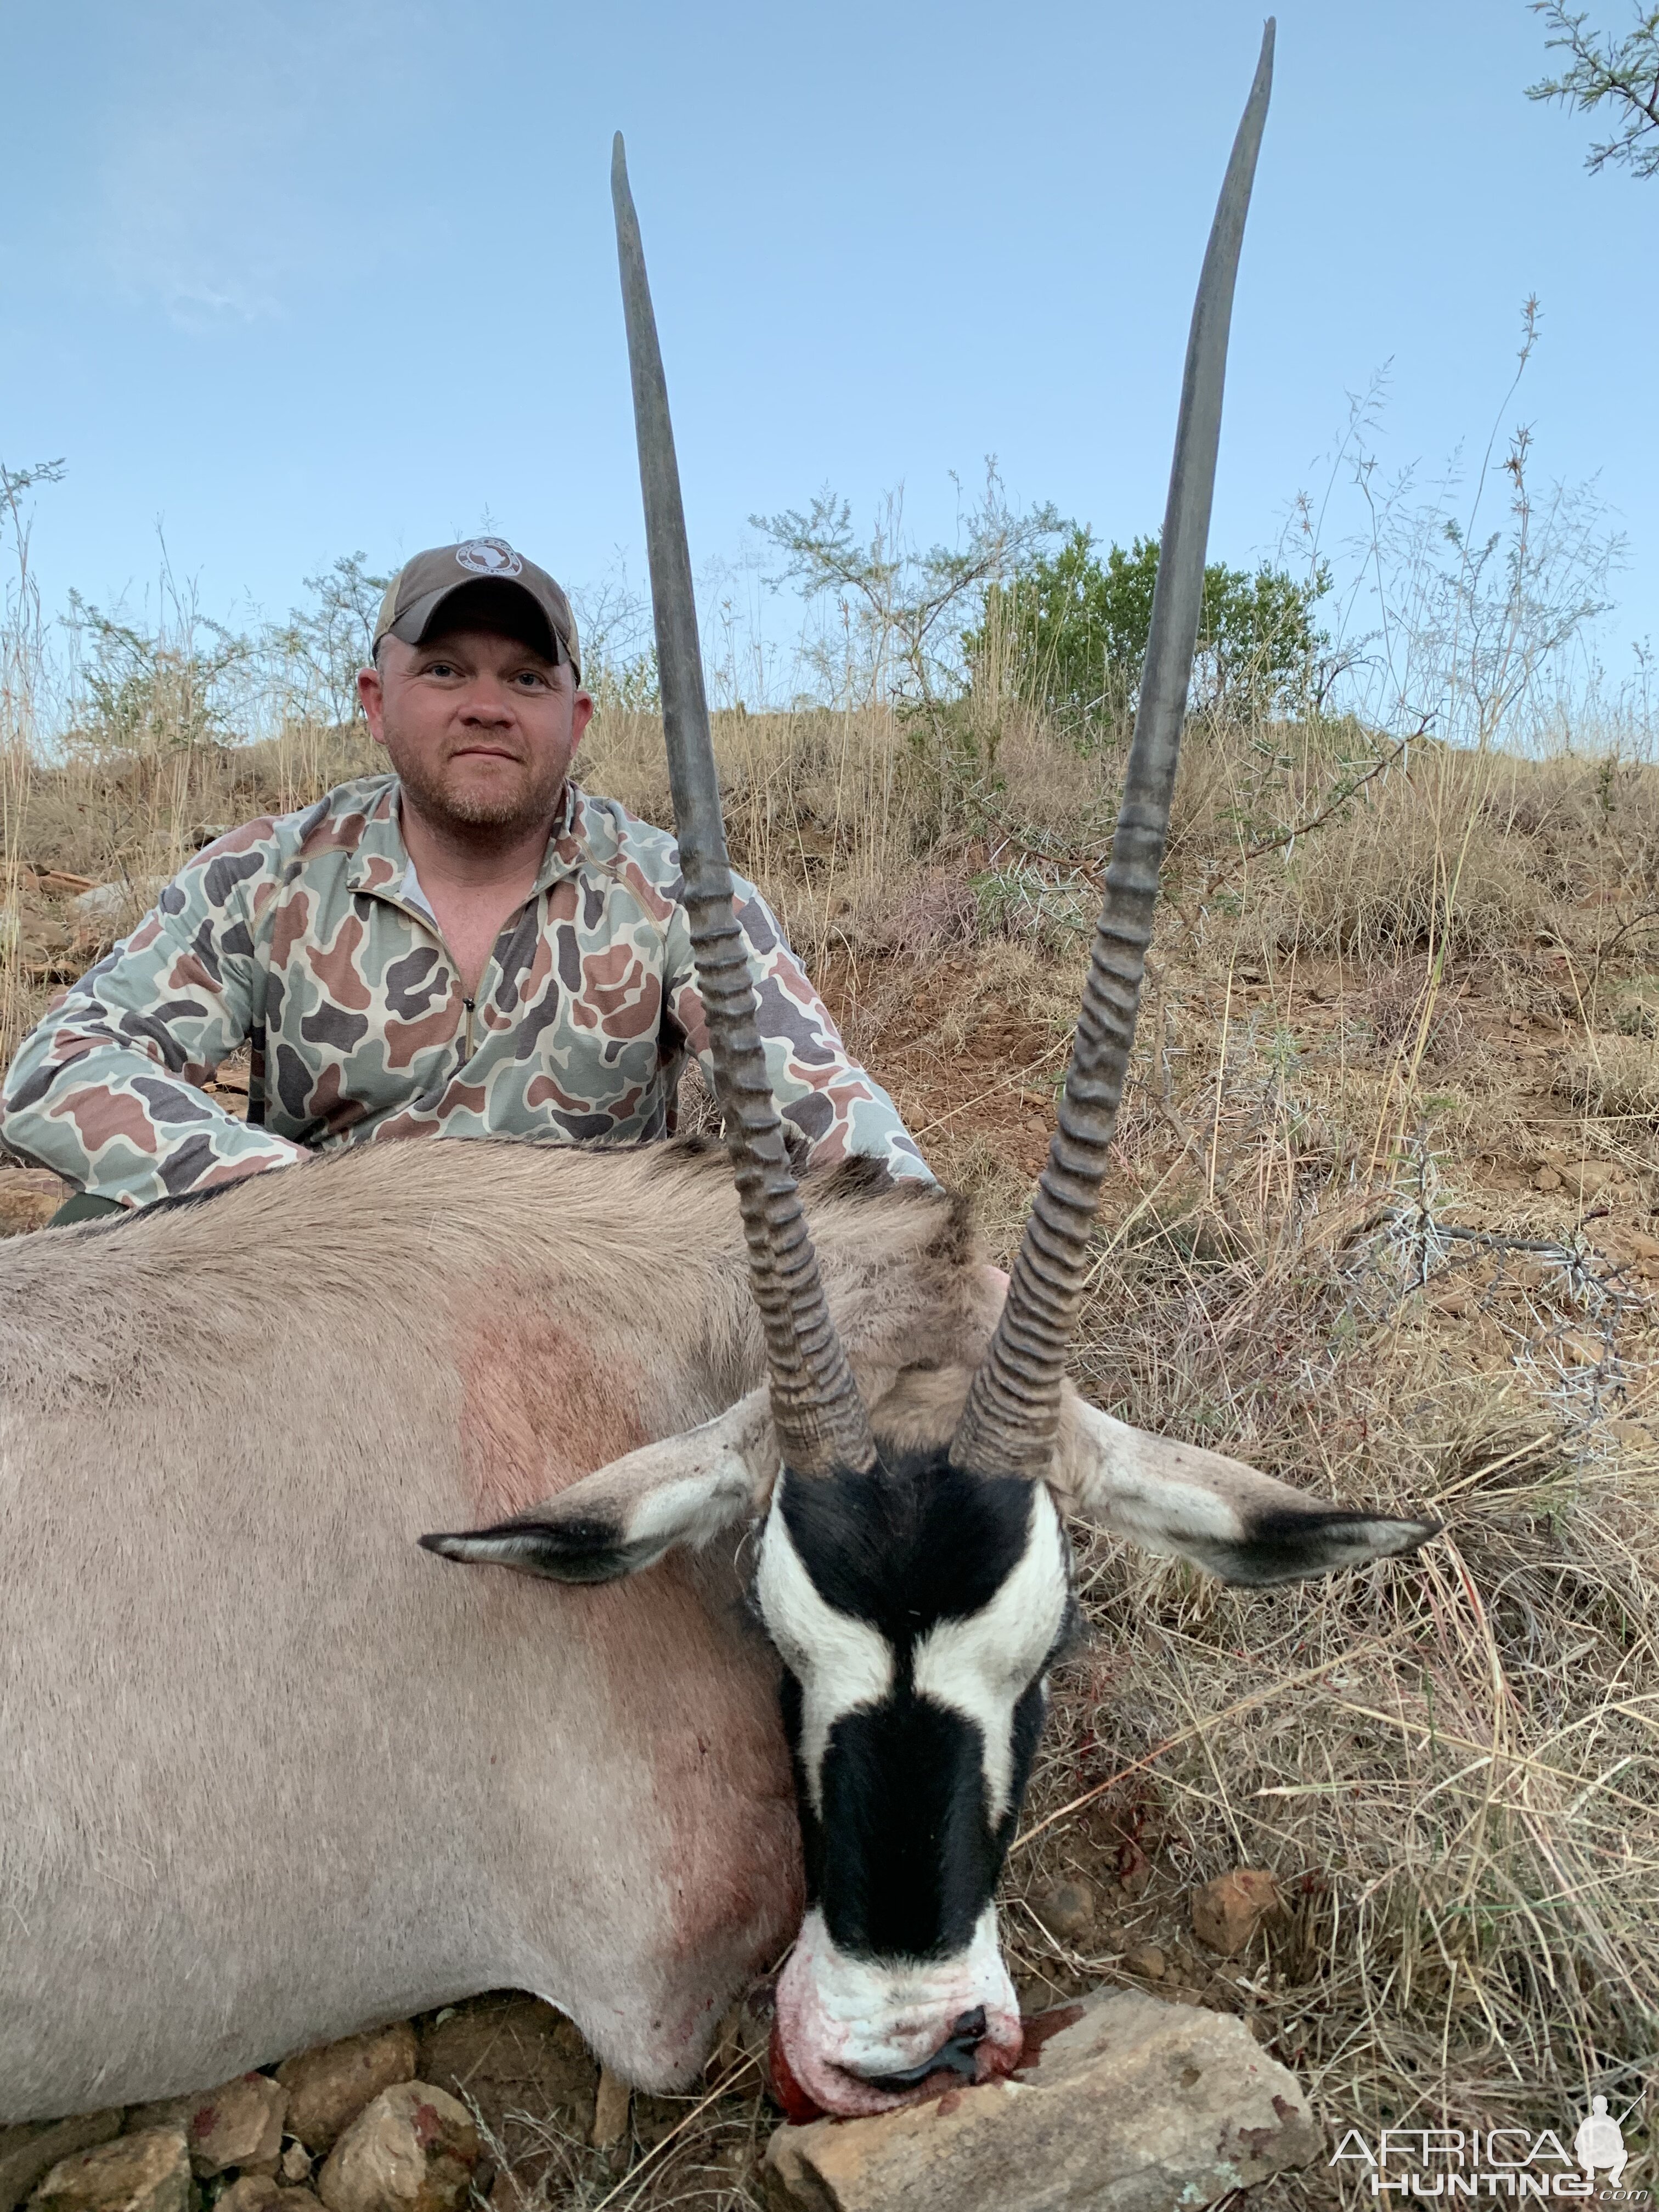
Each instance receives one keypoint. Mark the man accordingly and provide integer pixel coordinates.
(470, 944)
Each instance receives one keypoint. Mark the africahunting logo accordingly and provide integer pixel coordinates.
(1456, 2162)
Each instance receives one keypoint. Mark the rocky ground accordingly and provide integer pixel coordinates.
(1155, 2097)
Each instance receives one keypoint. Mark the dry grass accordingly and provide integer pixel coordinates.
(1614, 1078)
(1382, 1218)
(128, 821)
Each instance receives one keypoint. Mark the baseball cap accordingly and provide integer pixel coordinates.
(424, 587)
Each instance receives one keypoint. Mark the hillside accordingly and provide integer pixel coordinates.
(1384, 1219)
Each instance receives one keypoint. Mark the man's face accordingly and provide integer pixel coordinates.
(480, 728)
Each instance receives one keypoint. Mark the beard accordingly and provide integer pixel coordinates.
(459, 796)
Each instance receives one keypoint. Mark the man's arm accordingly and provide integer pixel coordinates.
(106, 1090)
(820, 1091)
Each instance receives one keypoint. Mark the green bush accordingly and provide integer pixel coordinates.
(1068, 634)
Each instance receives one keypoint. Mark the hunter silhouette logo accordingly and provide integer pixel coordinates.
(1453, 2163)
(1599, 2144)
(489, 557)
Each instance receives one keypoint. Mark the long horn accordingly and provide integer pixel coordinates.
(1009, 1423)
(815, 1409)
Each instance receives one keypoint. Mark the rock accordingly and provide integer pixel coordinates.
(29, 1199)
(240, 2124)
(258, 2192)
(29, 2151)
(1068, 1912)
(1546, 1179)
(327, 2088)
(513, 2054)
(1134, 1868)
(144, 2173)
(295, 2162)
(1148, 1961)
(1123, 2101)
(609, 2109)
(106, 906)
(1227, 1913)
(413, 2150)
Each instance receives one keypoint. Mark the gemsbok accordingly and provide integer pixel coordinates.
(783, 1473)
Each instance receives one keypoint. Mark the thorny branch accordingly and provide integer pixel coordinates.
(1625, 73)
(1425, 1244)
(1284, 839)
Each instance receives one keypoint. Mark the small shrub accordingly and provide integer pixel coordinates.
(1032, 905)
(1636, 1007)
(937, 911)
(1617, 1076)
(1394, 1008)
(1396, 879)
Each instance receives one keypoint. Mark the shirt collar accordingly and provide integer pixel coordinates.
(567, 846)
(380, 861)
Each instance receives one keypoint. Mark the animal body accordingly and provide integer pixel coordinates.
(269, 1771)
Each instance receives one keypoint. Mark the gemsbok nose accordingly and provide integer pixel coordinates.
(954, 2056)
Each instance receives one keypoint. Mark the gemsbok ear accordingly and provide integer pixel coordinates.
(1221, 1515)
(626, 1516)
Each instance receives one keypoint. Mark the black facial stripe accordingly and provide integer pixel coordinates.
(914, 1542)
(903, 1861)
(903, 1797)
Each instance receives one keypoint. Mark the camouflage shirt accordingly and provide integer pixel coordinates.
(309, 935)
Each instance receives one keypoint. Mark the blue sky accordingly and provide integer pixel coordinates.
(295, 279)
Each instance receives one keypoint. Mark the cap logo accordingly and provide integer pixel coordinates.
(489, 557)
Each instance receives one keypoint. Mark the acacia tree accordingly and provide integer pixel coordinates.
(333, 638)
(896, 610)
(1623, 73)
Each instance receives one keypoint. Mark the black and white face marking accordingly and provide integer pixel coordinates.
(916, 1610)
